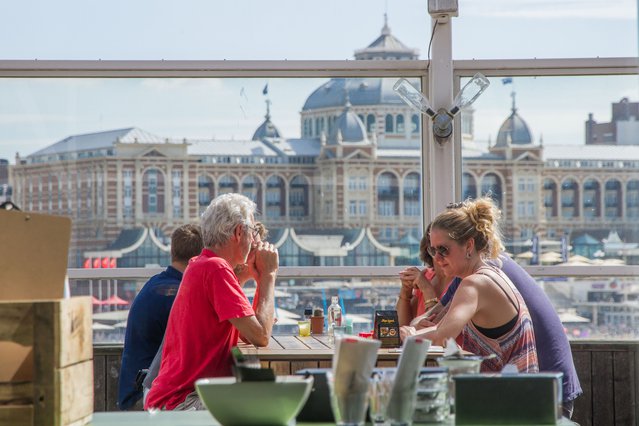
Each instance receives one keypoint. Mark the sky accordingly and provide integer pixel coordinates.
(37, 112)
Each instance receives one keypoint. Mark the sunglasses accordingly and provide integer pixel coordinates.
(443, 251)
(254, 231)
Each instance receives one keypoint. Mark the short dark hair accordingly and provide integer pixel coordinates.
(186, 242)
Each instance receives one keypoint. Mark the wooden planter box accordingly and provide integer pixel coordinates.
(56, 388)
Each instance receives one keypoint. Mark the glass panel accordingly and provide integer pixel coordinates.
(564, 167)
(347, 194)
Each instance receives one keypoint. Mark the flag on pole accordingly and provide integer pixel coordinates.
(265, 89)
(507, 80)
(535, 251)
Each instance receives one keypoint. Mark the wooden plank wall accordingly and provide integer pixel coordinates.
(609, 376)
(608, 371)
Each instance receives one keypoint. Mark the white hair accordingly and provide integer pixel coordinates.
(220, 218)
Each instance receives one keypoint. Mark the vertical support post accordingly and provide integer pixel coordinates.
(441, 159)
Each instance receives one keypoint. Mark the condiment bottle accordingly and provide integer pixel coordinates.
(317, 322)
(308, 313)
(334, 316)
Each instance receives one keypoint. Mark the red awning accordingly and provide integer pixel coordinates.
(97, 301)
(115, 300)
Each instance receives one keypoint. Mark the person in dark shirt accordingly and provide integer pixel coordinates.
(150, 312)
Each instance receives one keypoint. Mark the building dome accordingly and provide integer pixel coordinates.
(387, 46)
(364, 91)
(514, 131)
(348, 128)
(360, 91)
(267, 129)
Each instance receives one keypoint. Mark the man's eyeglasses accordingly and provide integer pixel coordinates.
(254, 231)
(443, 251)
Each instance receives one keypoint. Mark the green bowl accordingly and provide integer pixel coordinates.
(235, 403)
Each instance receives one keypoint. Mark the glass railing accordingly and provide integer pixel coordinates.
(598, 302)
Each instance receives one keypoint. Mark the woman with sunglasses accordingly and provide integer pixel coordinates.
(487, 311)
(421, 289)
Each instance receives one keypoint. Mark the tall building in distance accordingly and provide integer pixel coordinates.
(623, 128)
(346, 192)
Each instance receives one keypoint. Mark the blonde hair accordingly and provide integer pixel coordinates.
(473, 219)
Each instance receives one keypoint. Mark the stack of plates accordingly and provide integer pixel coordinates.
(432, 405)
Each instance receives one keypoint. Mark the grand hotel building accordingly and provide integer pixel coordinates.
(347, 192)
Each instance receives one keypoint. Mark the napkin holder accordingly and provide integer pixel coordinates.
(513, 399)
(317, 406)
(246, 371)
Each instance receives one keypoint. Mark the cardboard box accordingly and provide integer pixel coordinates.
(46, 372)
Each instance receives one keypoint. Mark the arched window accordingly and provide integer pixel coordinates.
(153, 192)
(299, 197)
(400, 123)
(205, 192)
(491, 186)
(550, 198)
(387, 195)
(412, 192)
(370, 123)
(275, 192)
(252, 188)
(389, 124)
(469, 187)
(227, 184)
(612, 199)
(414, 119)
(569, 198)
(591, 199)
(632, 199)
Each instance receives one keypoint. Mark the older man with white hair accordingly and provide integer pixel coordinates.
(210, 310)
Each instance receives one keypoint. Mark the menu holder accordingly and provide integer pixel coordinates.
(386, 328)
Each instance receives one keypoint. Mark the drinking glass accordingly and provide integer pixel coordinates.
(467, 365)
(305, 328)
(349, 408)
(380, 392)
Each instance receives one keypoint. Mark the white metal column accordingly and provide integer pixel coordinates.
(441, 159)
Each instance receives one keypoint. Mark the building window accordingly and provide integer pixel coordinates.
(399, 128)
(389, 124)
(370, 123)
(127, 202)
(387, 208)
(153, 191)
(363, 210)
(363, 183)
(352, 208)
(414, 119)
(352, 183)
(176, 185)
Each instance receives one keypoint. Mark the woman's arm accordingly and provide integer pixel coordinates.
(463, 307)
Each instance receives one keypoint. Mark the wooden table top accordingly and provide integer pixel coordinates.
(315, 347)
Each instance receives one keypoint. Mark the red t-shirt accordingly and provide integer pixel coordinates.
(199, 337)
